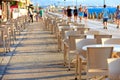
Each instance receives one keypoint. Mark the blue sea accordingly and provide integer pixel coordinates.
(98, 10)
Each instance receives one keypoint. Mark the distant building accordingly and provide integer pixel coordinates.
(8, 6)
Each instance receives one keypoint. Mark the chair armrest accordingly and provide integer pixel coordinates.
(66, 44)
(83, 58)
(80, 55)
(115, 55)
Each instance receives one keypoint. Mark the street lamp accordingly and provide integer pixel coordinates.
(64, 3)
(76, 3)
(58, 3)
(104, 2)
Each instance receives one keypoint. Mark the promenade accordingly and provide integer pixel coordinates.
(98, 25)
(35, 55)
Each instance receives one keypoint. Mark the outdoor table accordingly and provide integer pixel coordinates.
(116, 48)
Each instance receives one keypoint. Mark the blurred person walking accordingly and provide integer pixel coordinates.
(75, 13)
(41, 13)
(69, 13)
(118, 16)
(85, 14)
(80, 12)
(64, 12)
(105, 16)
(31, 14)
(37, 15)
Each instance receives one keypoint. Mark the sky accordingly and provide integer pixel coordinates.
(73, 2)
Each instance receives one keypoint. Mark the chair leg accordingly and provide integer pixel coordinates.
(65, 55)
(58, 43)
(69, 61)
(76, 67)
(102, 77)
(4, 43)
(79, 67)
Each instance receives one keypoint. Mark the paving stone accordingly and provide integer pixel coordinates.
(36, 58)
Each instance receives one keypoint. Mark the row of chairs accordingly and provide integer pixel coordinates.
(97, 65)
(70, 45)
(73, 36)
(96, 62)
(10, 29)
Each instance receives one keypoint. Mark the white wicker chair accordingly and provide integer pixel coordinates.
(79, 44)
(70, 46)
(112, 41)
(114, 68)
(97, 61)
(99, 37)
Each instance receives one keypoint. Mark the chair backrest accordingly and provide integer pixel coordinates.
(62, 32)
(97, 57)
(2, 23)
(72, 38)
(69, 22)
(62, 24)
(118, 54)
(82, 30)
(70, 32)
(83, 42)
(99, 37)
(92, 32)
(59, 22)
(114, 68)
(79, 25)
(111, 41)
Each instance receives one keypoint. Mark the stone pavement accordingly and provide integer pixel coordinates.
(5, 57)
(35, 55)
(98, 25)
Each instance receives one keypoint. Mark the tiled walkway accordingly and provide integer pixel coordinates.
(36, 58)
